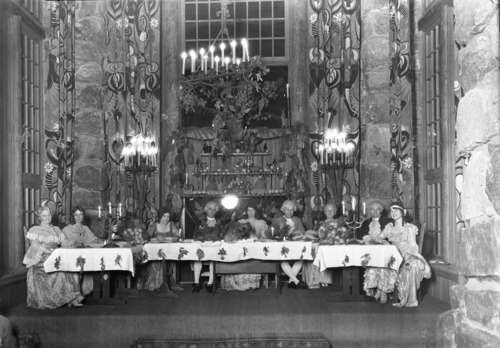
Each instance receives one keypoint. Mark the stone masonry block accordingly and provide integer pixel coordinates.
(471, 18)
(471, 336)
(475, 201)
(493, 177)
(479, 107)
(479, 249)
(484, 307)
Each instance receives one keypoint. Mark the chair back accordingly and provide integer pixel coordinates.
(421, 239)
(26, 240)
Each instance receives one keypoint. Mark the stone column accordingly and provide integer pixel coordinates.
(89, 177)
(474, 320)
(375, 120)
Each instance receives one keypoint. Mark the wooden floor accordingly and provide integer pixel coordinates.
(233, 314)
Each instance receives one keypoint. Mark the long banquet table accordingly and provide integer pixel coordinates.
(350, 258)
(100, 261)
(228, 252)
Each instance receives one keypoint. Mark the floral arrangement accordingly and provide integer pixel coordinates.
(132, 231)
(233, 99)
(334, 234)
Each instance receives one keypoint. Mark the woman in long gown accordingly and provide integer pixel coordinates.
(48, 290)
(80, 236)
(414, 267)
(312, 275)
(152, 278)
(247, 281)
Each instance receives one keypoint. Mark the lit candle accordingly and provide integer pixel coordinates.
(216, 64)
(233, 48)
(238, 61)
(202, 56)
(120, 209)
(212, 50)
(222, 48)
(226, 60)
(99, 210)
(186, 179)
(364, 208)
(343, 207)
(322, 152)
(244, 45)
(287, 91)
(354, 203)
(109, 206)
(192, 54)
(183, 56)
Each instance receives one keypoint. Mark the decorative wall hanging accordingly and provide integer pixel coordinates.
(60, 108)
(334, 98)
(131, 67)
(400, 104)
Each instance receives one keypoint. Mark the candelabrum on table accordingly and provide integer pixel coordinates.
(353, 218)
(109, 222)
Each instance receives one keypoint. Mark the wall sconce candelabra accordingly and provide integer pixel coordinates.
(140, 154)
(335, 151)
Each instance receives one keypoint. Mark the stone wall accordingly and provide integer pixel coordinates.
(90, 174)
(375, 120)
(474, 320)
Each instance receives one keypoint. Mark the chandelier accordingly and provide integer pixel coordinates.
(140, 153)
(216, 53)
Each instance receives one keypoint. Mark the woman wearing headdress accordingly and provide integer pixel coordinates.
(414, 267)
(48, 290)
(287, 226)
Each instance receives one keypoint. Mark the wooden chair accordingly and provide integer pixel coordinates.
(27, 243)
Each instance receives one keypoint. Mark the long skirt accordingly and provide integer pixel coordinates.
(150, 276)
(51, 290)
(313, 277)
(409, 278)
(240, 281)
(379, 278)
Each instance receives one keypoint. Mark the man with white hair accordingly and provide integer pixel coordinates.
(376, 223)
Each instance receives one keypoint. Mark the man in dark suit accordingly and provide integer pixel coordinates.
(376, 223)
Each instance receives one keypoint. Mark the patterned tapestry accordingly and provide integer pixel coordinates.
(132, 77)
(60, 108)
(334, 89)
(400, 89)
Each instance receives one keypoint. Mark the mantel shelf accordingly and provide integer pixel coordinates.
(248, 173)
(219, 154)
(241, 195)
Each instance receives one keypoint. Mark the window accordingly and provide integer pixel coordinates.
(31, 123)
(261, 22)
(438, 129)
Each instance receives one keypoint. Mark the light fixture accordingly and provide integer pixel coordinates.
(229, 201)
(229, 61)
(140, 153)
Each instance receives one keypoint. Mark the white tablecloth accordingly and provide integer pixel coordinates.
(90, 259)
(228, 252)
(386, 256)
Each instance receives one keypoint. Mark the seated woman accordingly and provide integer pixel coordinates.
(285, 226)
(247, 281)
(152, 276)
(312, 275)
(80, 236)
(414, 267)
(48, 290)
(209, 229)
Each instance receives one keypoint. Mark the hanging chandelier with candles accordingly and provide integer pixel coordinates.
(140, 153)
(335, 150)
